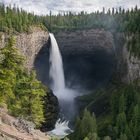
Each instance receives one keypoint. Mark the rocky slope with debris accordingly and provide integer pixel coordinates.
(12, 128)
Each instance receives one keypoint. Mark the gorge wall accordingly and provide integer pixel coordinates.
(28, 44)
(88, 58)
(90, 53)
(132, 62)
(128, 64)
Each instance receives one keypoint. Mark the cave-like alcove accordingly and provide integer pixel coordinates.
(83, 69)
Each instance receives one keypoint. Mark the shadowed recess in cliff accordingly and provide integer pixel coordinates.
(88, 59)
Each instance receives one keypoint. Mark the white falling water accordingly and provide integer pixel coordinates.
(58, 86)
(56, 69)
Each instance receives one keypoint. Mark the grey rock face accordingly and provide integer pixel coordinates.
(88, 56)
(28, 44)
(85, 41)
(133, 63)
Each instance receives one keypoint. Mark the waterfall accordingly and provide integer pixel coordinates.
(65, 95)
(56, 69)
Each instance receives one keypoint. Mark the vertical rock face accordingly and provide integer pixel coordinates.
(121, 68)
(128, 65)
(88, 56)
(85, 41)
(28, 44)
(133, 63)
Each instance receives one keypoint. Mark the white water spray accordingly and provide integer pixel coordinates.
(61, 129)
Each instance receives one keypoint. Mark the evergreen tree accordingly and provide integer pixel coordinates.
(29, 94)
(86, 138)
(122, 105)
(10, 62)
(66, 138)
(93, 136)
(107, 138)
(86, 127)
(20, 90)
(123, 137)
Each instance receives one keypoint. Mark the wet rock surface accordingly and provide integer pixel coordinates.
(51, 111)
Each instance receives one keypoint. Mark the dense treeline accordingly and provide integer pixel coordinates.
(126, 113)
(14, 20)
(116, 20)
(86, 127)
(122, 122)
(20, 90)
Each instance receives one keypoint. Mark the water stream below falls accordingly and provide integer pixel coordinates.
(65, 96)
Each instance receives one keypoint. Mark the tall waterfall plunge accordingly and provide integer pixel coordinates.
(56, 69)
(65, 96)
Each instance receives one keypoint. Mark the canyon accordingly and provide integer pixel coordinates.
(90, 59)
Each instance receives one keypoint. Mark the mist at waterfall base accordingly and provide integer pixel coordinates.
(65, 95)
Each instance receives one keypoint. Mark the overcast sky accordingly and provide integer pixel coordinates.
(44, 6)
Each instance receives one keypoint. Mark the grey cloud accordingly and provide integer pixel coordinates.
(44, 6)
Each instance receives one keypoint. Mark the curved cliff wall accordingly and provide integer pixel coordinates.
(28, 44)
(88, 55)
(88, 58)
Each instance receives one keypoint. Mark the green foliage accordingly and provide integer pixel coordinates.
(93, 136)
(8, 67)
(126, 120)
(29, 93)
(13, 20)
(107, 138)
(66, 138)
(122, 119)
(133, 44)
(123, 137)
(19, 89)
(86, 138)
(121, 122)
(18, 20)
(86, 127)
(114, 20)
(54, 138)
